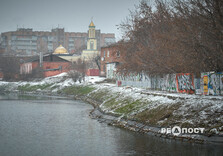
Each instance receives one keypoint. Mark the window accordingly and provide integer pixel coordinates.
(118, 53)
(104, 53)
(107, 53)
(92, 45)
(92, 34)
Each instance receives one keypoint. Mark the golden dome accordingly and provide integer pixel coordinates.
(91, 24)
(60, 50)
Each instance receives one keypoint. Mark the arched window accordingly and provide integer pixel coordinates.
(108, 53)
(91, 33)
(91, 45)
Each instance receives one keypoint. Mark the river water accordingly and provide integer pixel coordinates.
(50, 126)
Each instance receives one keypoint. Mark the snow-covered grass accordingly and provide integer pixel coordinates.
(151, 107)
(161, 108)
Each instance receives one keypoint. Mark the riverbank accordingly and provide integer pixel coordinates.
(136, 109)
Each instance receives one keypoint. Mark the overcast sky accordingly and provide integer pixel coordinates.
(73, 15)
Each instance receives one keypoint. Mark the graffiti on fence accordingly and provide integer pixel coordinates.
(221, 84)
(172, 83)
(204, 83)
(214, 83)
(197, 84)
(185, 83)
(209, 83)
(168, 83)
(156, 82)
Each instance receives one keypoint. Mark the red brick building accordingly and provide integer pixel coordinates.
(51, 65)
(110, 58)
(92, 72)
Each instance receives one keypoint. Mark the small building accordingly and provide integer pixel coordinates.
(110, 59)
(50, 65)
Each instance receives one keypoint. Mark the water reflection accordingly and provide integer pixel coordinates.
(63, 127)
(15, 96)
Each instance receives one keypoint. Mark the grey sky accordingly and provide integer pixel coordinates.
(73, 15)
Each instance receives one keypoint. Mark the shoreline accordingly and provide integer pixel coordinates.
(135, 126)
(135, 109)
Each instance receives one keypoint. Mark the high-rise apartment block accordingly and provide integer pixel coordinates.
(28, 42)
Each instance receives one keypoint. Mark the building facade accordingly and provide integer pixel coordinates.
(28, 42)
(110, 59)
(51, 65)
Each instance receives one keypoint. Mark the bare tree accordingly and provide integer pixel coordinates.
(93, 61)
(10, 67)
(181, 36)
(77, 71)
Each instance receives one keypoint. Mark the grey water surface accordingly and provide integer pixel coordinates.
(51, 126)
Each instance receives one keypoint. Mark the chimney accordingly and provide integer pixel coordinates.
(40, 59)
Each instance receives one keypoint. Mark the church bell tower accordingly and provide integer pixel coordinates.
(92, 42)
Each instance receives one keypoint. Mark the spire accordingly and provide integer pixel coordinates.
(91, 24)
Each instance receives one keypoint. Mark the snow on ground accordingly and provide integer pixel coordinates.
(93, 79)
(60, 75)
(193, 108)
(163, 97)
(61, 80)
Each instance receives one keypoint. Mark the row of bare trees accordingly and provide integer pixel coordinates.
(172, 37)
(9, 67)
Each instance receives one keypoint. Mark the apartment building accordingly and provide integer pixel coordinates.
(25, 41)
